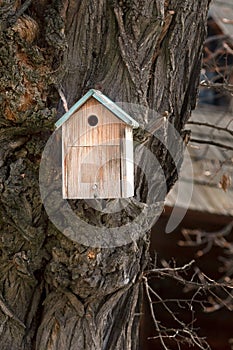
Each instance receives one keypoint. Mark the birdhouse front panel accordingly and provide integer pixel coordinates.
(92, 125)
(94, 172)
(97, 154)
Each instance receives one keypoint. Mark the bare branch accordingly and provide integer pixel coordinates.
(220, 86)
(185, 333)
(212, 143)
(216, 127)
(64, 101)
(172, 269)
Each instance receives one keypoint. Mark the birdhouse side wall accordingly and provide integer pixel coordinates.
(127, 163)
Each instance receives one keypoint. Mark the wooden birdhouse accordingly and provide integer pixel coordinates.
(97, 149)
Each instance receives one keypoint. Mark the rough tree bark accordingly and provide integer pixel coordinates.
(55, 293)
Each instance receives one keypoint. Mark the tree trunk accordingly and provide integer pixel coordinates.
(57, 293)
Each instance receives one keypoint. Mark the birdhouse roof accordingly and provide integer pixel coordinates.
(105, 101)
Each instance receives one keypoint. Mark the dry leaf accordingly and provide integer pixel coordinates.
(225, 182)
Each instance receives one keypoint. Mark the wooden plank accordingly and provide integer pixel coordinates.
(64, 164)
(79, 132)
(97, 160)
(123, 164)
(93, 172)
(128, 186)
(109, 173)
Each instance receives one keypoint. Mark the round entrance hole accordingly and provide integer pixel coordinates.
(92, 120)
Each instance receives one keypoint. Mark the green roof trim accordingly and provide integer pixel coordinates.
(105, 101)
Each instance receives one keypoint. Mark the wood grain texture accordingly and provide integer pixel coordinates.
(77, 131)
(97, 160)
(93, 172)
(68, 295)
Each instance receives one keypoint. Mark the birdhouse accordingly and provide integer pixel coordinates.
(97, 149)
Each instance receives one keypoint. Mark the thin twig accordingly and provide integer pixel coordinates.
(212, 143)
(172, 269)
(220, 86)
(216, 127)
(152, 312)
(19, 13)
(23, 8)
(184, 334)
(64, 101)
